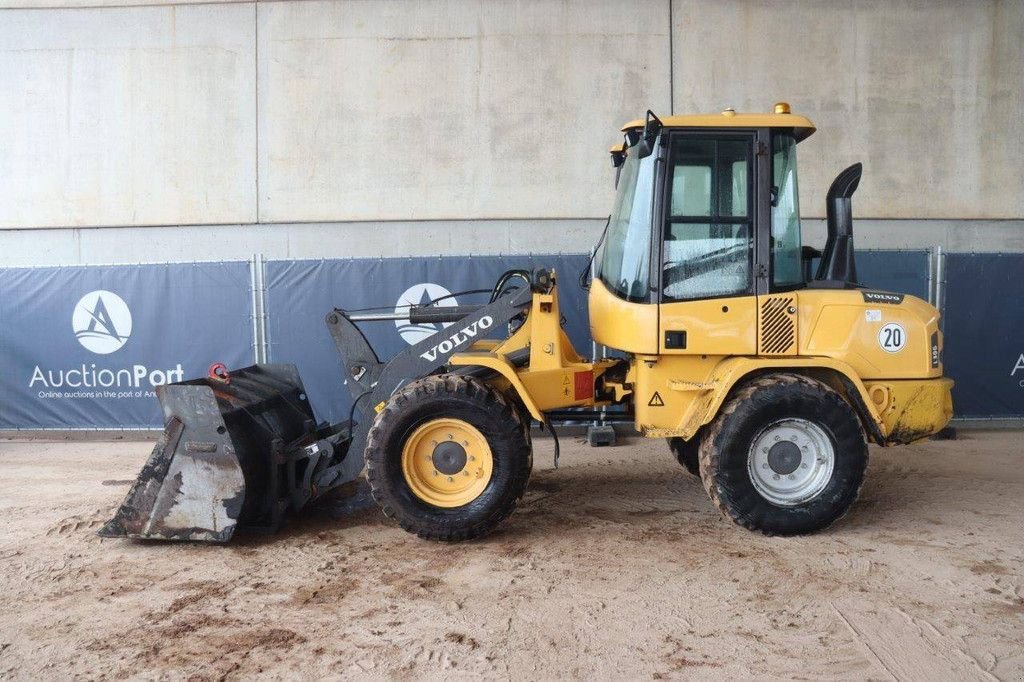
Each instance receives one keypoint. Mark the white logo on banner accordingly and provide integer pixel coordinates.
(422, 294)
(102, 322)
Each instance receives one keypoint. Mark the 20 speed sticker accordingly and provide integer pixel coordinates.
(892, 338)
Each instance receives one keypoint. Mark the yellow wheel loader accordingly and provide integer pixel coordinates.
(768, 380)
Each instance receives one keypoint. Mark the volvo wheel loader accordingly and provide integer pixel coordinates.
(768, 380)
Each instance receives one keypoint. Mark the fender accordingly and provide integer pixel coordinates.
(503, 367)
(733, 370)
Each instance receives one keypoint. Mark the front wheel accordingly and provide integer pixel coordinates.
(448, 457)
(785, 456)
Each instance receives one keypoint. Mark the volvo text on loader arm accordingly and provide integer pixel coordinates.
(767, 379)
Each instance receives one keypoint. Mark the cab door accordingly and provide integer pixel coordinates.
(707, 302)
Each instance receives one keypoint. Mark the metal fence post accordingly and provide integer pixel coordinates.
(259, 309)
(254, 314)
(931, 275)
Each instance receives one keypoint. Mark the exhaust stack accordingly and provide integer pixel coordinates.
(837, 260)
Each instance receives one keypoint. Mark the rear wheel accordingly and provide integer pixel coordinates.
(686, 453)
(448, 457)
(785, 456)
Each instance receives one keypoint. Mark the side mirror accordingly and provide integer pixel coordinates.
(652, 128)
(618, 153)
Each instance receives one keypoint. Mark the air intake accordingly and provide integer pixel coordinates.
(837, 262)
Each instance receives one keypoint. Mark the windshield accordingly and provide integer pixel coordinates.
(625, 259)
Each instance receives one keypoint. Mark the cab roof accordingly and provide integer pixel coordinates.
(779, 118)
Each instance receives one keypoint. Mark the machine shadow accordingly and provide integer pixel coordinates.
(593, 496)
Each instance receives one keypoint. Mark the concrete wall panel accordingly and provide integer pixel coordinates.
(460, 109)
(74, 246)
(928, 95)
(127, 116)
(66, 4)
(88, 246)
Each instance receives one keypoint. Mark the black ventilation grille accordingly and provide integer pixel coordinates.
(778, 332)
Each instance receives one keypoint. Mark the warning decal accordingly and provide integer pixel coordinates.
(656, 400)
(584, 388)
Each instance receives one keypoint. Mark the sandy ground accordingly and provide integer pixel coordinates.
(615, 566)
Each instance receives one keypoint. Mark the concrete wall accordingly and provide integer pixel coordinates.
(386, 127)
(384, 110)
(127, 116)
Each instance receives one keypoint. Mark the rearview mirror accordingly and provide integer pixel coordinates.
(652, 128)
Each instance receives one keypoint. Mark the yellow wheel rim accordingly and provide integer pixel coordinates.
(447, 462)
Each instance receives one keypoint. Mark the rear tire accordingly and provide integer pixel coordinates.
(785, 456)
(687, 453)
(431, 484)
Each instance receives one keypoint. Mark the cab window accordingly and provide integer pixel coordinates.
(708, 230)
(786, 245)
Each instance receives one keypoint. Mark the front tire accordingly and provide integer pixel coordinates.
(785, 456)
(448, 457)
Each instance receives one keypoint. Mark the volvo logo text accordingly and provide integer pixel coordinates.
(458, 338)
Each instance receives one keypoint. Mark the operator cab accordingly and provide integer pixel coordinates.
(713, 201)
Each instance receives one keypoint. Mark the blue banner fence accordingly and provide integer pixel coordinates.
(83, 346)
(982, 297)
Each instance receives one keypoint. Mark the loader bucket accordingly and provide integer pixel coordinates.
(218, 463)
